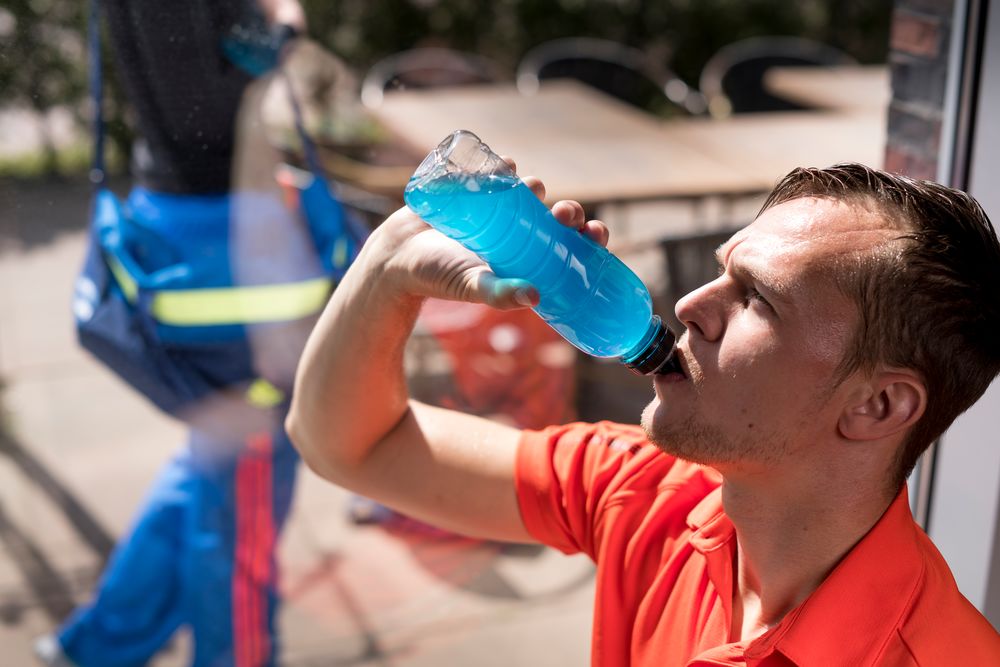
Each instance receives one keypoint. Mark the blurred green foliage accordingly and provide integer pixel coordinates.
(43, 65)
(43, 42)
(682, 33)
(40, 56)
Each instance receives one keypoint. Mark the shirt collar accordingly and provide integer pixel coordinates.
(710, 526)
(860, 603)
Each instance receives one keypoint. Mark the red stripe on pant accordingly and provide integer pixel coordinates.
(252, 574)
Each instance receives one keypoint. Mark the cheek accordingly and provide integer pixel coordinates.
(748, 349)
(765, 378)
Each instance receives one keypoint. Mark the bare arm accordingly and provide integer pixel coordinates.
(351, 417)
(284, 12)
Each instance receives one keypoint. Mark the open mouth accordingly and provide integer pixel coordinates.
(674, 366)
(679, 363)
(675, 369)
(672, 371)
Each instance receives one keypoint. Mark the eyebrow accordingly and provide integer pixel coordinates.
(773, 292)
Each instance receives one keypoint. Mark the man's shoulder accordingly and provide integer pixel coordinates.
(614, 462)
(581, 486)
(942, 626)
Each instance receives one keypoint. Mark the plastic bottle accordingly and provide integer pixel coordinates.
(588, 295)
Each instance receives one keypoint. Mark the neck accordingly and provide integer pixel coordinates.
(789, 539)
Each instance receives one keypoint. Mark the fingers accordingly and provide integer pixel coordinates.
(597, 231)
(536, 186)
(571, 214)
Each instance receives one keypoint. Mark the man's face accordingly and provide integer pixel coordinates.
(764, 340)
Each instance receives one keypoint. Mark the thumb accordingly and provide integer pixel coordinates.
(505, 293)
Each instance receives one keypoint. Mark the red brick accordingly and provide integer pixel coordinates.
(916, 34)
(917, 127)
(900, 161)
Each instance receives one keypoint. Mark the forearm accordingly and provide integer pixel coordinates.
(350, 391)
(351, 417)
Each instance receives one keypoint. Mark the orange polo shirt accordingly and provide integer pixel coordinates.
(665, 551)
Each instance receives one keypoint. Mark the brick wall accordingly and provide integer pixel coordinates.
(918, 58)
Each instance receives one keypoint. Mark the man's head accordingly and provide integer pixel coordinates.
(928, 298)
(903, 277)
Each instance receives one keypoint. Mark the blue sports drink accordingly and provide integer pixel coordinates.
(588, 295)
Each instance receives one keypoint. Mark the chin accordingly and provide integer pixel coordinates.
(654, 422)
(689, 438)
(649, 417)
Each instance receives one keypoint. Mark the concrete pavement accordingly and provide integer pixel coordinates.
(80, 450)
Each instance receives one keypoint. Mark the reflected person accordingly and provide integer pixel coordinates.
(200, 551)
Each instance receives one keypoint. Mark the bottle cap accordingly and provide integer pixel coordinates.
(658, 357)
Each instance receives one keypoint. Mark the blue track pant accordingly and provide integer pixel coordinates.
(201, 554)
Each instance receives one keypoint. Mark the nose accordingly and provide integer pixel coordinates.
(701, 311)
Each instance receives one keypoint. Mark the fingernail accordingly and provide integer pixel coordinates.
(525, 296)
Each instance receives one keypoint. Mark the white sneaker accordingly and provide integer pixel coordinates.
(50, 652)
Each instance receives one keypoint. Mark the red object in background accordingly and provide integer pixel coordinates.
(507, 365)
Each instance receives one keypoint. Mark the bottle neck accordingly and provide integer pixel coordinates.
(655, 351)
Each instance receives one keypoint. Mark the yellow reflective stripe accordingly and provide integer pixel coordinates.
(122, 277)
(240, 305)
(228, 305)
(263, 394)
(340, 257)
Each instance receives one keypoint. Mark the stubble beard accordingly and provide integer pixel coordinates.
(693, 439)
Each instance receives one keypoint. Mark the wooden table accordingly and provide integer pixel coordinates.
(583, 144)
(854, 88)
(769, 145)
(595, 149)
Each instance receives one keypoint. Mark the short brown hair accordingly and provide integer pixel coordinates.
(928, 299)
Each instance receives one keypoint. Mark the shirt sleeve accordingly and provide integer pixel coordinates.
(566, 476)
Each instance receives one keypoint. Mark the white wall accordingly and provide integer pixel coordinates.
(965, 505)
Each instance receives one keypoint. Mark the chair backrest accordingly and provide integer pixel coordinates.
(616, 69)
(425, 68)
(732, 80)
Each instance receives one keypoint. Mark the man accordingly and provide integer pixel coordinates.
(759, 516)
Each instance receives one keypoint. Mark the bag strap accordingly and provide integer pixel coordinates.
(357, 231)
(256, 51)
(97, 170)
(204, 307)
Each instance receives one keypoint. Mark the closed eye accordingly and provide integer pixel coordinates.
(753, 295)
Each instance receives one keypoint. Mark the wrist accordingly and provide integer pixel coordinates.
(384, 278)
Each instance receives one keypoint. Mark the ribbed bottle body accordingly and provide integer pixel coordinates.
(587, 294)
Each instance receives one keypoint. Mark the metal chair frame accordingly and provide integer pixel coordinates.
(779, 51)
(549, 55)
(425, 68)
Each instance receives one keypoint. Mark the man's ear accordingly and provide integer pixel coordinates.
(887, 403)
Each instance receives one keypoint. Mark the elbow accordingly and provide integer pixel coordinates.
(295, 431)
(309, 444)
